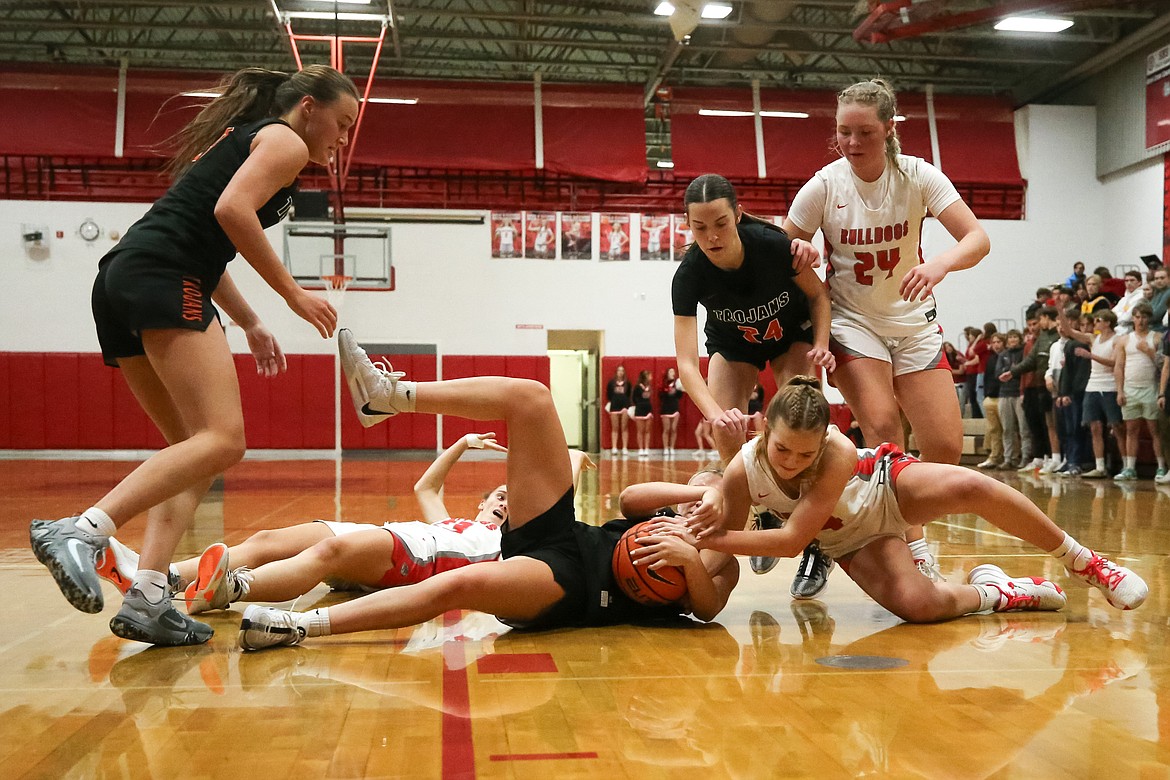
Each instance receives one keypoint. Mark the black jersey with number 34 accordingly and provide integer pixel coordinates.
(756, 303)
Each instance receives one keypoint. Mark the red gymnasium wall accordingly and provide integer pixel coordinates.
(688, 413)
(73, 401)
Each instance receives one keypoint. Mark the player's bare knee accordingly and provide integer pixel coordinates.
(230, 446)
(329, 552)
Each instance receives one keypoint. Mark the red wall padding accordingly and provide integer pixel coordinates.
(403, 432)
(597, 131)
(688, 413)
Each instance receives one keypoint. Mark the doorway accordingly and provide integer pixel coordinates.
(573, 357)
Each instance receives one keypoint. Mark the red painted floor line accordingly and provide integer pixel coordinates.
(539, 756)
(516, 663)
(458, 752)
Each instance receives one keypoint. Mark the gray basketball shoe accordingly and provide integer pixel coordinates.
(71, 557)
(157, 624)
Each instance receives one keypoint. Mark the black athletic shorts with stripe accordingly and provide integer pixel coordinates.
(135, 291)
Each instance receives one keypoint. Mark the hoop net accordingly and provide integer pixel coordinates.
(335, 287)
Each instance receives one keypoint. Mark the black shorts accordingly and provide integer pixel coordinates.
(580, 558)
(549, 538)
(739, 350)
(134, 292)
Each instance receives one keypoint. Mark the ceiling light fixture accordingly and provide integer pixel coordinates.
(716, 11)
(395, 101)
(664, 9)
(1034, 24)
(785, 114)
(731, 112)
(665, 163)
(201, 94)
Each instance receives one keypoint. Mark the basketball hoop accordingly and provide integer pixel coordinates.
(335, 287)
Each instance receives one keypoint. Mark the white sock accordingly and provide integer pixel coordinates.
(1056, 458)
(96, 522)
(989, 597)
(404, 393)
(1100, 464)
(1072, 554)
(1161, 462)
(315, 622)
(151, 584)
(1130, 463)
(920, 550)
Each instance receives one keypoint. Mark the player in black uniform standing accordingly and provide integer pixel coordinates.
(760, 312)
(555, 570)
(235, 171)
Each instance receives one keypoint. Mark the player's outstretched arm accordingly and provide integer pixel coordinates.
(429, 488)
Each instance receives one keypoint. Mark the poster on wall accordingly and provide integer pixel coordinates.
(576, 235)
(655, 230)
(681, 236)
(615, 237)
(506, 226)
(540, 235)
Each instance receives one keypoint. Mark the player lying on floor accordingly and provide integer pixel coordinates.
(284, 563)
(555, 571)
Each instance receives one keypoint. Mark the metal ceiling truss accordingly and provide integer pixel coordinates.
(946, 44)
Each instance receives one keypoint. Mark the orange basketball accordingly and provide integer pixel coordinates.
(661, 586)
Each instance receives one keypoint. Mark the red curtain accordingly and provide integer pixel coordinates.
(597, 131)
(712, 144)
(454, 125)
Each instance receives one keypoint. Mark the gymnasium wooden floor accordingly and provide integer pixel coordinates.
(1069, 695)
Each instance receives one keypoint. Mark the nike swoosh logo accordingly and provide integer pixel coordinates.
(76, 548)
(373, 412)
(842, 205)
(762, 495)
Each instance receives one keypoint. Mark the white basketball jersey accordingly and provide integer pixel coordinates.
(873, 232)
(868, 506)
(452, 538)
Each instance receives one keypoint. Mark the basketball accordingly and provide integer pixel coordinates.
(661, 586)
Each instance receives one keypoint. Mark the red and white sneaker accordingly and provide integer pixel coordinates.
(117, 564)
(1122, 588)
(1019, 593)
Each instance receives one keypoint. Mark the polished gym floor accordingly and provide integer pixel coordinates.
(830, 688)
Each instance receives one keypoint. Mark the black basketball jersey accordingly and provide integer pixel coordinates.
(607, 604)
(181, 229)
(756, 302)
